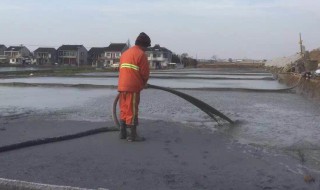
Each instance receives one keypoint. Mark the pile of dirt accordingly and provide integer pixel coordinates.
(283, 61)
(231, 65)
(315, 55)
(307, 87)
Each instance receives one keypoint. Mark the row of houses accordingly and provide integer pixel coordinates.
(78, 55)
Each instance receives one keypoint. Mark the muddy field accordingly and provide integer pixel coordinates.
(273, 144)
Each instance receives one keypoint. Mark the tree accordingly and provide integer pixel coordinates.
(184, 55)
(213, 59)
(175, 58)
(230, 60)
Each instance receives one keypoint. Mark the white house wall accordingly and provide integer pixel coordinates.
(163, 61)
(83, 57)
(25, 52)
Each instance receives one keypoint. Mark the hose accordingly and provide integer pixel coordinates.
(200, 104)
(55, 139)
(210, 111)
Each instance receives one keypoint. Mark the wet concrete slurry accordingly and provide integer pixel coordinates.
(287, 118)
(175, 79)
(172, 83)
(251, 154)
(46, 99)
(189, 75)
(173, 157)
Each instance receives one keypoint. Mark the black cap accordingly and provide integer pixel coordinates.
(143, 40)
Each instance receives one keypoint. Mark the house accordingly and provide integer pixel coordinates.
(45, 56)
(113, 52)
(72, 55)
(3, 58)
(95, 56)
(158, 57)
(18, 54)
(2, 49)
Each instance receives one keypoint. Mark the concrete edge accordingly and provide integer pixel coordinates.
(10, 184)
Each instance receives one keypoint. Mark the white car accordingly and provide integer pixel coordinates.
(115, 65)
(317, 73)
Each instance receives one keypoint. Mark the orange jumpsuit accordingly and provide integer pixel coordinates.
(133, 76)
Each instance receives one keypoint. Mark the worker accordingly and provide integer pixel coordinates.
(133, 77)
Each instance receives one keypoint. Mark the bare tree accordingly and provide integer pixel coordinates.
(213, 59)
(184, 55)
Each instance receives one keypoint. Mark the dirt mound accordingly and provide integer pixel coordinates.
(308, 88)
(315, 55)
(231, 65)
(283, 61)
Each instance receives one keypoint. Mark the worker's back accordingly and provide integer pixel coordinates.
(133, 70)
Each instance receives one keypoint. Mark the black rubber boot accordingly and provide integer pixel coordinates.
(123, 130)
(134, 136)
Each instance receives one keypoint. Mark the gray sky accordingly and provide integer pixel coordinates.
(202, 28)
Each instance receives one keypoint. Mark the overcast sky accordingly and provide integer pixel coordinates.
(201, 28)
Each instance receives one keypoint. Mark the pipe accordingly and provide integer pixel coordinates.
(35, 142)
(210, 111)
(200, 104)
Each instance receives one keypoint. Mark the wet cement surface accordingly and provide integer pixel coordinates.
(188, 74)
(287, 118)
(172, 83)
(185, 148)
(173, 157)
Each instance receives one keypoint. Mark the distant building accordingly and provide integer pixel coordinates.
(72, 55)
(45, 56)
(95, 56)
(113, 52)
(158, 57)
(18, 55)
(2, 49)
(3, 58)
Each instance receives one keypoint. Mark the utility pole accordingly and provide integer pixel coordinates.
(301, 46)
(128, 43)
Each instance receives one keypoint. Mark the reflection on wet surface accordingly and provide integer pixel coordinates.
(203, 76)
(13, 69)
(184, 74)
(48, 98)
(172, 83)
